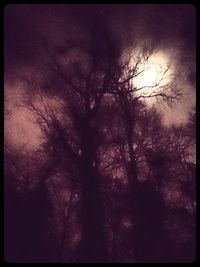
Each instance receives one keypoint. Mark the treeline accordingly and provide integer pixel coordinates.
(109, 183)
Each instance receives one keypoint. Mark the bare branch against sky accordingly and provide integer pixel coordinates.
(100, 132)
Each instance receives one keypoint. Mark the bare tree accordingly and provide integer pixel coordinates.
(91, 114)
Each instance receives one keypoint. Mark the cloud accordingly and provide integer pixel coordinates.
(170, 28)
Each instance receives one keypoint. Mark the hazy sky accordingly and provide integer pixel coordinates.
(171, 28)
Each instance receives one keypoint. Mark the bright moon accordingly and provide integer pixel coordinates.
(149, 76)
(153, 73)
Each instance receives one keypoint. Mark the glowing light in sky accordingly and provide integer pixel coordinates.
(149, 76)
(21, 129)
(155, 72)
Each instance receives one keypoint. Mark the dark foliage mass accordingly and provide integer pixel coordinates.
(109, 183)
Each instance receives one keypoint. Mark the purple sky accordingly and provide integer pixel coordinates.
(168, 27)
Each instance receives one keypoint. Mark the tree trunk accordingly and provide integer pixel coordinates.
(93, 242)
